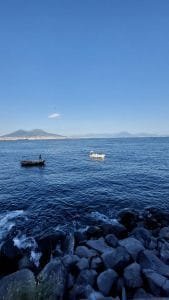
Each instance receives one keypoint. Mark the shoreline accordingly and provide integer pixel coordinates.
(127, 258)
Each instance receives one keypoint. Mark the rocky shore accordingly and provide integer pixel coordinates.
(127, 258)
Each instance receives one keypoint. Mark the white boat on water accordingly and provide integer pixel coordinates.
(96, 155)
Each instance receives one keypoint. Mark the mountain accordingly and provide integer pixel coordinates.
(32, 134)
(123, 134)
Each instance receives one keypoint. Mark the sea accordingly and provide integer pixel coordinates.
(72, 189)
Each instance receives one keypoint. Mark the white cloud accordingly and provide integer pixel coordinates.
(54, 116)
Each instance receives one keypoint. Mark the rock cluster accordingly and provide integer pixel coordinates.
(127, 259)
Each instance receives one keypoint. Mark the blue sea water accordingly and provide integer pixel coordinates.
(135, 173)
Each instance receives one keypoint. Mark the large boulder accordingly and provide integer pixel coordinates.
(116, 228)
(70, 261)
(94, 232)
(96, 263)
(111, 240)
(163, 248)
(164, 233)
(116, 259)
(52, 281)
(83, 251)
(99, 245)
(155, 217)
(158, 284)
(143, 235)
(132, 276)
(86, 277)
(133, 246)
(106, 280)
(129, 218)
(9, 257)
(148, 260)
(141, 294)
(83, 263)
(19, 285)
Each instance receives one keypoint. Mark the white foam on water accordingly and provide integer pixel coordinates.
(21, 241)
(35, 257)
(7, 221)
(103, 218)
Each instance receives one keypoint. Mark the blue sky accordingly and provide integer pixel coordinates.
(102, 65)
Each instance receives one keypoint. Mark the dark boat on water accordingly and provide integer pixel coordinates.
(32, 163)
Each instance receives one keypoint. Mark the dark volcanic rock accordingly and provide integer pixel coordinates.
(163, 247)
(99, 245)
(155, 217)
(132, 276)
(94, 232)
(9, 257)
(83, 251)
(70, 260)
(19, 285)
(128, 218)
(148, 260)
(117, 259)
(52, 281)
(83, 263)
(164, 233)
(106, 280)
(142, 294)
(158, 284)
(143, 235)
(96, 263)
(111, 240)
(86, 277)
(118, 229)
(133, 246)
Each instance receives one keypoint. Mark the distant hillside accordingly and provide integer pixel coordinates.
(36, 133)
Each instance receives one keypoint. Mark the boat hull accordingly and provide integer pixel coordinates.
(32, 163)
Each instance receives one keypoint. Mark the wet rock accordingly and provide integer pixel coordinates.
(117, 259)
(143, 235)
(94, 232)
(111, 240)
(83, 263)
(19, 285)
(86, 277)
(47, 245)
(158, 284)
(26, 263)
(133, 246)
(52, 281)
(155, 217)
(132, 276)
(96, 263)
(118, 229)
(98, 296)
(142, 294)
(78, 292)
(80, 236)
(9, 257)
(128, 218)
(99, 245)
(148, 260)
(106, 280)
(83, 251)
(164, 233)
(69, 244)
(163, 247)
(70, 260)
(70, 281)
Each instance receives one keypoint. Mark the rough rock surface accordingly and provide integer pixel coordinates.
(106, 280)
(132, 276)
(133, 246)
(19, 285)
(116, 259)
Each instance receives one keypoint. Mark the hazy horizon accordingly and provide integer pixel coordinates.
(78, 67)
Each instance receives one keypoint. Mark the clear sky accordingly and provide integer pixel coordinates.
(102, 65)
